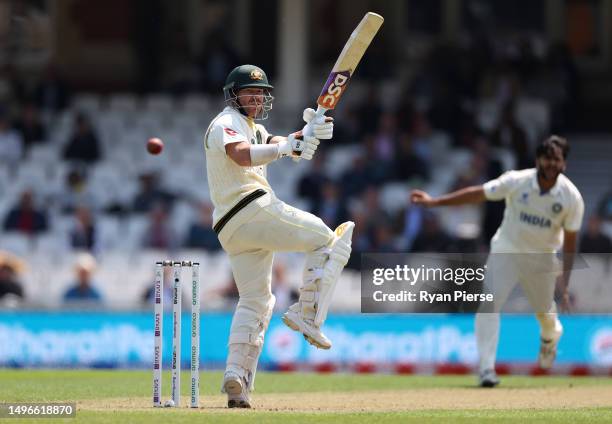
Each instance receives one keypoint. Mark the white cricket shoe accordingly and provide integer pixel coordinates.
(548, 351)
(313, 334)
(236, 389)
(488, 378)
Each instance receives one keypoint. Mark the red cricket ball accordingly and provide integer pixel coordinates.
(155, 146)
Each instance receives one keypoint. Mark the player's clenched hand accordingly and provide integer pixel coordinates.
(322, 126)
(298, 145)
(419, 197)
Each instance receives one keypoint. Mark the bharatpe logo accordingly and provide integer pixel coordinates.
(601, 347)
(333, 88)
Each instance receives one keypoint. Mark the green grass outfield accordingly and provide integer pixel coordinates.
(125, 396)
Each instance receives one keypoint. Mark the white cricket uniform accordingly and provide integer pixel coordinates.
(523, 250)
(534, 221)
(252, 234)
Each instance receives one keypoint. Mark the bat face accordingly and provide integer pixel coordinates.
(348, 60)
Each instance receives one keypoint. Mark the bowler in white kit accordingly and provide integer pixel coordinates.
(543, 214)
(252, 224)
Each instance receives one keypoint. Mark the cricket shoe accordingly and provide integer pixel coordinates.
(311, 332)
(236, 389)
(488, 378)
(548, 351)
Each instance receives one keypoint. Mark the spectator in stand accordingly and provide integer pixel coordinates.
(361, 239)
(10, 269)
(432, 237)
(368, 113)
(409, 163)
(159, 233)
(83, 289)
(83, 235)
(355, 180)
(563, 67)
(604, 209)
(285, 294)
(25, 218)
(201, 234)
(370, 204)
(385, 144)
(11, 142)
(421, 132)
(83, 145)
(412, 226)
(309, 186)
(331, 209)
(217, 59)
(52, 94)
(12, 89)
(75, 192)
(511, 136)
(151, 194)
(225, 296)
(593, 240)
(383, 238)
(30, 127)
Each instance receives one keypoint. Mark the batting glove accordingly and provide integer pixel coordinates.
(298, 146)
(322, 126)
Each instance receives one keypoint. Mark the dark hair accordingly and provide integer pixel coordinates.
(546, 147)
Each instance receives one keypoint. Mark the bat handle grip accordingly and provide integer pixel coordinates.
(307, 130)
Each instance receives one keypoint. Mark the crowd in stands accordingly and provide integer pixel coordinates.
(388, 145)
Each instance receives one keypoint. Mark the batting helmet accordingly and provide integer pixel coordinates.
(247, 76)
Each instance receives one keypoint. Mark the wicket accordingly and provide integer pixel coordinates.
(177, 268)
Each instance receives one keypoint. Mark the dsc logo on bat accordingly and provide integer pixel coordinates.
(333, 89)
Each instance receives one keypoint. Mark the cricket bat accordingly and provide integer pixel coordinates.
(346, 64)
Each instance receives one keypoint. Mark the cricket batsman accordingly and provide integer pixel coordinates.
(543, 214)
(252, 223)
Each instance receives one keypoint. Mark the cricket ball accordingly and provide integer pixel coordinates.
(155, 146)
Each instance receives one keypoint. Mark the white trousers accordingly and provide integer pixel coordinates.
(271, 228)
(537, 274)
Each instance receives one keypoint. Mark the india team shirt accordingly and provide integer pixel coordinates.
(229, 182)
(534, 221)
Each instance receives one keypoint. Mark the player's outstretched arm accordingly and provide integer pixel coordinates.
(473, 194)
(294, 145)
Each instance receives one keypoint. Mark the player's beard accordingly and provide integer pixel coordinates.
(549, 173)
(253, 109)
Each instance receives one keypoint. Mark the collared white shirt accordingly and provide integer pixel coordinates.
(229, 182)
(534, 221)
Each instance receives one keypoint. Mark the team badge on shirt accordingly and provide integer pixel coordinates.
(524, 198)
(557, 207)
